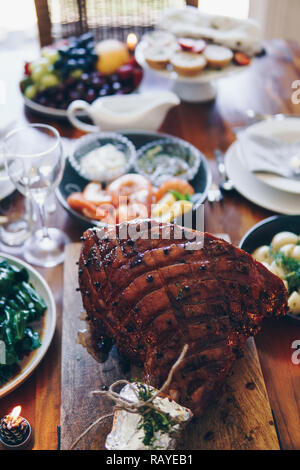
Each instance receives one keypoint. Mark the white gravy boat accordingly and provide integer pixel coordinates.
(135, 111)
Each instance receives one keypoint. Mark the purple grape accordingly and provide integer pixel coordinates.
(80, 87)
(74, 95)
(116, 86)
(91, 95)
(85, 78)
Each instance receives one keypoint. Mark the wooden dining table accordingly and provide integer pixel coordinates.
(265, 86)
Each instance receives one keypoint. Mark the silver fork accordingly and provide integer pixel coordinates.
(214, 193)
(224, 182)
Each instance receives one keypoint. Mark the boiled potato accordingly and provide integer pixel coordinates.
(277, 270)
(160, 209)
(283, 238)
(164, 205)
(261, 254)
(296, 253)
(111, 55)
(287, 249)
(181, 207)
(294, 303)
(286, 284)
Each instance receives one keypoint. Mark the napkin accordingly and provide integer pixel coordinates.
(261, 153)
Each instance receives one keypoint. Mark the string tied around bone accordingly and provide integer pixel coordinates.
(140, 407)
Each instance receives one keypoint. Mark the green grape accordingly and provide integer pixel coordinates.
(30, 91)
(76, 73)
(37, 72)
(48, 81)
(45, 64)
(52, 55)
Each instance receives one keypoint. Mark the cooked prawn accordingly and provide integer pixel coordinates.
(78, 202)
(175, 184)
(94, 193)
(136, 188)
(132, 211)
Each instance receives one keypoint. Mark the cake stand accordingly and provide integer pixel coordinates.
(197, 89)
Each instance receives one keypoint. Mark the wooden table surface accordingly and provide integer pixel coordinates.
(265, 87)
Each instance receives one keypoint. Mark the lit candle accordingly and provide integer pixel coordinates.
(131, 42)
(15, 430)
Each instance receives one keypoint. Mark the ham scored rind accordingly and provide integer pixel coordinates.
(152, 295)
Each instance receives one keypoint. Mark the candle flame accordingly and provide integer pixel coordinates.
(16, 412)
(131, 41)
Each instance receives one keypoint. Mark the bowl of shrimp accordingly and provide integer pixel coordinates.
(275, 242)
(134, 194)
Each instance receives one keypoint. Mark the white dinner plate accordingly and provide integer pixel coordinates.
(46, 326)
(287, 130)
(256, 191)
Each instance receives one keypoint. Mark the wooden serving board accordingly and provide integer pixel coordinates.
(241, 419)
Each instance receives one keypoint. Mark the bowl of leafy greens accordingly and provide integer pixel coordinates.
(27, 321)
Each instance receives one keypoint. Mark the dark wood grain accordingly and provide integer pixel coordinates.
(240, 420)
(265, 87)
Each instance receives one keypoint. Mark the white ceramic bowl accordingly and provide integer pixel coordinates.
(90, 142)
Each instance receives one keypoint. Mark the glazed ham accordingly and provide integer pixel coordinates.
(159, 290)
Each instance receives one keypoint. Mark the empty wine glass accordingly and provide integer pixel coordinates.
(35, 163)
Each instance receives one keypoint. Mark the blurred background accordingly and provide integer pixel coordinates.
(25, 25)
(55, 18)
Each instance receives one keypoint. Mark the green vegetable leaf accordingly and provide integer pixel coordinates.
(179, 196)
(291, 269)
(19, 305)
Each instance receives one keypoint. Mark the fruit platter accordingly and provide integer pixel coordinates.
(78, 68)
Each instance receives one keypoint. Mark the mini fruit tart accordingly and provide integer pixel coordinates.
(188, 63)
(157, 57)
(218, 56)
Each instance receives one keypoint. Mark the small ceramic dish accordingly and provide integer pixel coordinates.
(88, 143)
(164, 159)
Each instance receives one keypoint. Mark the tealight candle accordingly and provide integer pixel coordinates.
(132, 41)
(15, 431)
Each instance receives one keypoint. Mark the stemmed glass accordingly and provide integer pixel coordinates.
(35, 163)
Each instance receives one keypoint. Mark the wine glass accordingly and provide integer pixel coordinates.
(35, 164)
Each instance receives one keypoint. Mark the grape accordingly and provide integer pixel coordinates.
(58, 64)
(42, 100)
(30, 91)
(47, 81)
(102, 92)
(85, 78)
(74, 95)
(51, 54)
(36, 73)
(97, 82)
(116, 86)
(76, 73)
(77, 53)
(91, 95)
(80, 87)
(71, 63)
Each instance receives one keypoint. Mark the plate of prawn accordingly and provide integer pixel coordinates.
(132, 195)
